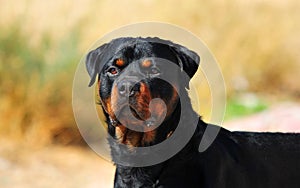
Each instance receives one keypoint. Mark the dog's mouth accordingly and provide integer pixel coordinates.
(140, 119)
(131, 113)
(135, 127)
(137, 111)
(137, 117)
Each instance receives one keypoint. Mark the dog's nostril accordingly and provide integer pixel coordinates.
(132, 92)
(126, 88)
(122, 89)
(135, 89)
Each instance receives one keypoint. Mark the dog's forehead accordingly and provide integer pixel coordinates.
(134, 49)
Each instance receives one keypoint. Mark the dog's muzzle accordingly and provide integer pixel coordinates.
(128, 87)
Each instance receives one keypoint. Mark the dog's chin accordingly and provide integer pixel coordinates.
(134, 128)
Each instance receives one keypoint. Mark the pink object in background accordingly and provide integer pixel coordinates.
(279, 118)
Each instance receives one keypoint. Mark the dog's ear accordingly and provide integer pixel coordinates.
(188, 60)
(93, 62)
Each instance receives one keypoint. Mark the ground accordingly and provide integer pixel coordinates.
(51, 167)
(77, 167)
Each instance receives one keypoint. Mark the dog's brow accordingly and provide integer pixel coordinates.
(146, 63)
(120, 62)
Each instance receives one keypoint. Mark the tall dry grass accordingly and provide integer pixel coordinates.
(256, 43)
(36, 87)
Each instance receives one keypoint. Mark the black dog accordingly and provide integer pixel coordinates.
(234, 160)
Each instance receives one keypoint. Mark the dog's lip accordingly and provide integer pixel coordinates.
(133, 111)
(136, 114)
(144, 124)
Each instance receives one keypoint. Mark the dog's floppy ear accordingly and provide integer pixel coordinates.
(188, 60)
(93, 62)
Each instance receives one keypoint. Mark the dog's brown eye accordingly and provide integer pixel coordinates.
(113, 70)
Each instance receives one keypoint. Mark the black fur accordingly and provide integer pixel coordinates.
(234, 160)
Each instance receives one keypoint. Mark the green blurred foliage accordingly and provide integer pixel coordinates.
(244, 105)
(36, 85)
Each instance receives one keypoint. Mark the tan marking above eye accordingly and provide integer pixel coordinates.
(120, 62)
(142, 88)
(146, 63)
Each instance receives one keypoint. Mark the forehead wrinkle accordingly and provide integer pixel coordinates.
(134, 50)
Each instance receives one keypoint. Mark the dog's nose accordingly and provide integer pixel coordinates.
(127, 88)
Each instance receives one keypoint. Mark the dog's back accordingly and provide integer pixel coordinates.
(273, 159)
(244, 159)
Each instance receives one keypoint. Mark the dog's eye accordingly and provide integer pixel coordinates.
(112, 71)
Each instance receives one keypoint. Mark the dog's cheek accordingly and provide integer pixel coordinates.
(114, 100)
(149, 137)
(104, 95)
(172, 103)
(120, 132)
(108, 107)
(143, 99)
(133, 138)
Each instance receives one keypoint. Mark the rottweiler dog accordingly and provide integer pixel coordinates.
(233, 160)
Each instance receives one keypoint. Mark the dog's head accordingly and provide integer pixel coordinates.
(130, 72)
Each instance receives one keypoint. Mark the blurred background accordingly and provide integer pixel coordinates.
(256, 44)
